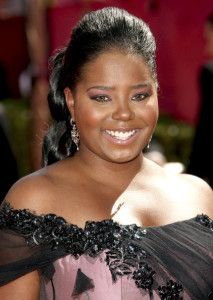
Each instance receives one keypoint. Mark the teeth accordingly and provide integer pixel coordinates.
(120, 135)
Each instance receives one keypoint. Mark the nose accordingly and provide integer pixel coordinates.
(123, 112)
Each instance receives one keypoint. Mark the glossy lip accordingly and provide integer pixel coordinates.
(115, 140)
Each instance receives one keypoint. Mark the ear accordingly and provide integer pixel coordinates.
(70, 102)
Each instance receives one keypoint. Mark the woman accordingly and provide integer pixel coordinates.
(103, 100)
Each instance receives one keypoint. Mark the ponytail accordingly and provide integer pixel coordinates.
(57, 143)
(97, 32)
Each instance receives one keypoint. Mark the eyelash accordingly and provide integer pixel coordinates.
(104, 99)
(144, 96)
(98, 98)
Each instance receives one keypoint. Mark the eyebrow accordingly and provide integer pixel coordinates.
(100, 87)
(140, 85)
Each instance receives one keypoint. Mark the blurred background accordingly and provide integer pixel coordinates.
(30, 32)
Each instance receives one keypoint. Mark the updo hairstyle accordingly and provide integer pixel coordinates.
(97, 32)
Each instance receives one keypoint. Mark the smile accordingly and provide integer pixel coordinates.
(121, 135)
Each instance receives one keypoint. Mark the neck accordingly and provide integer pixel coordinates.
(107, 172)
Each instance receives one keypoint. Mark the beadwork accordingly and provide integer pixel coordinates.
(123, 255)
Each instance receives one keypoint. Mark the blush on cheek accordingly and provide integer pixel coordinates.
(93, 118)
(149, 116)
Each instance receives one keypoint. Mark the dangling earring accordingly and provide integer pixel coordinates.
(74, 133)
(149, 142)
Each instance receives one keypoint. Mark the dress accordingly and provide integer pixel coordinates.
(108, 261)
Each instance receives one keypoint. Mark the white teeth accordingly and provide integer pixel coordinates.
(120, 135)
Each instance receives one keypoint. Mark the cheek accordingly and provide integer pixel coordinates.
(89, 116)
(150, 113)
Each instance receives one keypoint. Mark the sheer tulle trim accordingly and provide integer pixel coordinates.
(163, 258)
(82, 284)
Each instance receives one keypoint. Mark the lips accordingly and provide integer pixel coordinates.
(121, 135)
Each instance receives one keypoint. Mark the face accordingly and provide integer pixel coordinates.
(114, 106)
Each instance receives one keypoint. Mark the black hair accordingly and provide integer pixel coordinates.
(97, 32)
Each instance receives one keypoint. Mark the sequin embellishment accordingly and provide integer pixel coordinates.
(122, 254)
(119, 243)
(170, 291)
(205, 221)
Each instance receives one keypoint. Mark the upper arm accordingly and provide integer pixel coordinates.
(32, 192)
(26, 287)
(200, 194)
(29, 193)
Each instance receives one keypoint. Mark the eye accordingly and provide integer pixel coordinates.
(140, 97)
(101, 98)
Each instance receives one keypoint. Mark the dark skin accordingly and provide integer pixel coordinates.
(116, 94)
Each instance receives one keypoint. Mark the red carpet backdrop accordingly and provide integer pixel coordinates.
(178, 28)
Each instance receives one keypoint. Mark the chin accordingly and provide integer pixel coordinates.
(122, 158)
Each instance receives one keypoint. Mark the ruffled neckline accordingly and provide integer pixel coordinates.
(6, 205)
(122, 244)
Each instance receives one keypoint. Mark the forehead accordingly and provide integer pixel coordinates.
(117, 67)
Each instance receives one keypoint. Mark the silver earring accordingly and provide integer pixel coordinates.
(149, 143)
(74, 133)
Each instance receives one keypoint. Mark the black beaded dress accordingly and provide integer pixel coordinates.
(106, 260)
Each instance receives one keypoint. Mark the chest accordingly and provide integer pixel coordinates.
(126, 207)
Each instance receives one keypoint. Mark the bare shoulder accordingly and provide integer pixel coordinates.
(32, 192)
(198, 193)
(41, 191)
(197, 185)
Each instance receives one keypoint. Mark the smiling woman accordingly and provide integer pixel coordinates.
(120, 110)
(99, 220)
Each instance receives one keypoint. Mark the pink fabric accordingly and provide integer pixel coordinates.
(65, 276)
(173, 260)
